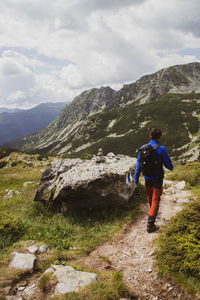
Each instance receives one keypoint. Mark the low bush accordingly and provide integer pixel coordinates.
(189, 172)
(11, 230)
(3, 163)
(178, 252)
(42, 156)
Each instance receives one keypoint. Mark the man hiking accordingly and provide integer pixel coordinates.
(151, 159)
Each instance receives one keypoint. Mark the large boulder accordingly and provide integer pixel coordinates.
(76, 183)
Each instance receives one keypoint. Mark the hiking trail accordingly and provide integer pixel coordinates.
(132, 250)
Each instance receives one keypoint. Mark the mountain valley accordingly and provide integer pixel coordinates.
(120, 121)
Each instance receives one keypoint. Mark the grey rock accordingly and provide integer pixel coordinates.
(111, 155)
(30, 291)
(180, 185)
(186, 201)
(149, 269)
(77, 184)
(100, 159)
(43, 248)
(13, 298)
(21, 288)
(23, 261)
(28, 183)
(33, 249)
(70, 280)
(10, 194)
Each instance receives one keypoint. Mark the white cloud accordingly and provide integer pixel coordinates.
(52, 50)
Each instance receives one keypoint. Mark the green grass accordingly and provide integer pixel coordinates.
(169, 113)
(110, 286)
(82, 231)
(189, 172)
(178, 252)
(69, 237)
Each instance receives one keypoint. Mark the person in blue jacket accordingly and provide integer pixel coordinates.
(154, 184)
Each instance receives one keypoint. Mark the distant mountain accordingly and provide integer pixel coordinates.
(22, 122)
(10, 110)
(119, 121)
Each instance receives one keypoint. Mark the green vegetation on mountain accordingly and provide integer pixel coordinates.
(119, 121)
(178, 253)
(177, 119)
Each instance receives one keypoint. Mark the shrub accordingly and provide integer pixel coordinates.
(178, 250)
(189, 172)
(42, 156)
(11, 230)
(3, 164)
(6, 151)
(47, 281)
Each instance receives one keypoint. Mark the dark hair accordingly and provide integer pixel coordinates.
(155, 133)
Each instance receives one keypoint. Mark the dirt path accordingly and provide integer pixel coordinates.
(132, 251)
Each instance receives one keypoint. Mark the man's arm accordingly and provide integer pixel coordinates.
(167, 160)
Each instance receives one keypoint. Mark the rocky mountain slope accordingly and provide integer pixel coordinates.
(17, 123)
(120, 121)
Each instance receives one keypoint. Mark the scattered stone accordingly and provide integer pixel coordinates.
(170, 288)
(149, 269)
(13, 298)
(151, 253)
(43, 248)
(21, 288)
(49, 270)
(186, 201)
(30, 291)
(23, 261)
(77, 184)
(33, 249)
(27, 183)
(10, 194)
(111, 155)
(180, 185)
(70, 280)
(100, 159)
(100, 152)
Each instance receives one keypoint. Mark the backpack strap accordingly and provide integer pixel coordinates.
(156, 146)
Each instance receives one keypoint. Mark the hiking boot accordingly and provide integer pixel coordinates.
(152, 228)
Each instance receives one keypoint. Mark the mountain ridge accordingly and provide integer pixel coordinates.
(22, 122)
(94, 115)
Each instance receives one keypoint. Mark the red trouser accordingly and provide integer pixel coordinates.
(154, 191)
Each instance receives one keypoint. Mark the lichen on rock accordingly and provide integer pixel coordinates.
(77, 184)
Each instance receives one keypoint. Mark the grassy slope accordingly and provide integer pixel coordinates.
(171, 113)
(68, 236)
(178, 252)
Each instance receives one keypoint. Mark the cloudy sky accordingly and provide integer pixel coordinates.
(51, 50)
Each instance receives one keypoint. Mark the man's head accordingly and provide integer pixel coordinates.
(155, 134)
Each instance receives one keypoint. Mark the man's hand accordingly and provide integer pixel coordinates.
(135, 184)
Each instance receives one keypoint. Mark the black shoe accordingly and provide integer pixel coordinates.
(152, 228)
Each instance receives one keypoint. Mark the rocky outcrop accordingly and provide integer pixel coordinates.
(23, 261)
(76, 183)
(85, 121)
(70, 280)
